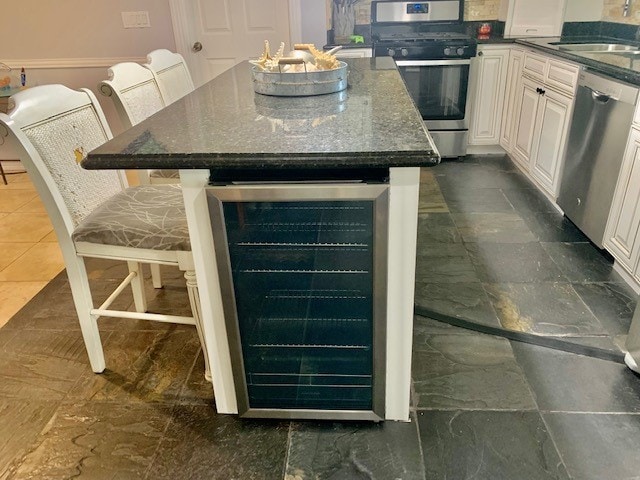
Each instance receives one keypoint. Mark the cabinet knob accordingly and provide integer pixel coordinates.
(480, 54)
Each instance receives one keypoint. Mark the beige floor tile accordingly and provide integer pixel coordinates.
(41, 262)
(24, 227)
(9, 252)
(14, 295)
(51, 237)
(35, 205)
(18, 181)
(12, 200)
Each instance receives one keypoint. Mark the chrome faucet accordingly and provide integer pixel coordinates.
(625, 10)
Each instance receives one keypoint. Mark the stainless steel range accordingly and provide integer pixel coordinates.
(433, 53)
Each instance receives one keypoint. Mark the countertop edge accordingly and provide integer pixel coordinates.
(241, 161)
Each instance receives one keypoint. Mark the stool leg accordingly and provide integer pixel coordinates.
(4, 177)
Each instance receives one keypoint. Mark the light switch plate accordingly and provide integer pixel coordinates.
(136, 19)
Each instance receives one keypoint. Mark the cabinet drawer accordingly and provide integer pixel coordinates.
(535, 66)
(562, 76)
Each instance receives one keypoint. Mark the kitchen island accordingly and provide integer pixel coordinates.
(368, 136)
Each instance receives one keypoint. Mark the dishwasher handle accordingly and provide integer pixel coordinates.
(598, 96)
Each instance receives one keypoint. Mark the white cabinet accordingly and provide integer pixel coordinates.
(488, 83)
(621, 234)
(552, 126)
(532, 18)
(514, 71)
(527, 100)
(354, 53)
(542, 113)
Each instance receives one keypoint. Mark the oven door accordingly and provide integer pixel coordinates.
(439, 90)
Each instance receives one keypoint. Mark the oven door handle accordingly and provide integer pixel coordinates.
(432, 63)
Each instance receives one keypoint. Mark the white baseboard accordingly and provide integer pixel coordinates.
(485, 150)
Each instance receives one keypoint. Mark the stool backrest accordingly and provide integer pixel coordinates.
(53, 128)
(172, 74)
(134, 91)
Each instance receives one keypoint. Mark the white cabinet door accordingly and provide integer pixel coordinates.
(624, 217)
(491, 71)
(354, 53)
(514, 71)
(552, 125)
(527, 103)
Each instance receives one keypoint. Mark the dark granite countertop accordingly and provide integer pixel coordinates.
(225, 124)
(618, 66)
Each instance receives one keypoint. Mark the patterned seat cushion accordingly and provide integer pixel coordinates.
(164, 174)
(147, 216)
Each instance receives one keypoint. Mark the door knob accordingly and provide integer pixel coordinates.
(197, 47)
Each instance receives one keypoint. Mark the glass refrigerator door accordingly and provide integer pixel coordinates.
(303, 275)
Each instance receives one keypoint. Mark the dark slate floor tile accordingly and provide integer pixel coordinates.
(52, 308)
(22, 421)
(529, 201)
(513, 263)
(597, 446)
(581, 262)
(445, 263)
(197, 390)
(475, 177)
(487, 445)
(202, 444)
(471, 371)
(38, 376)
(436, 228)
(350, 451)
(478, 200)
(62, 344)
(462, 300)
(492, 227)
(430, 197)
(542, 308)
(613, 304)
(553, 227)
(574, 383)
(96, 441)
(6, 335)
(142, 366)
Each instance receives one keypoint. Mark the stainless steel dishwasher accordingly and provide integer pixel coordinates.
(599, 128)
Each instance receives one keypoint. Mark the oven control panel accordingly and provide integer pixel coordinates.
(417, 8)
(422, 52)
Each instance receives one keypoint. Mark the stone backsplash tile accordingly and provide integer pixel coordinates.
(612, 12)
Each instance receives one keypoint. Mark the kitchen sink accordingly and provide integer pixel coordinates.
(598, 47)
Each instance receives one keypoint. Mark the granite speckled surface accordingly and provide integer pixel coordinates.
(225, 124)
(624, 67)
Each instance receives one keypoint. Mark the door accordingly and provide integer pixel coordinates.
(514, 72)
(624, 219)
(439, 90)
(489, 98)
(528, 100)
(229, 32)
(551, 129)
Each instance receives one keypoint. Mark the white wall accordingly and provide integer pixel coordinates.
(314, 23)
(583, 11)
(73, 42)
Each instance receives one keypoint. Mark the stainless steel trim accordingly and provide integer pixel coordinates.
(432, 63)
(435, 125)
(617, 90)
(312, 414)
(379, 193)
(451, 144)
(439, 11)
